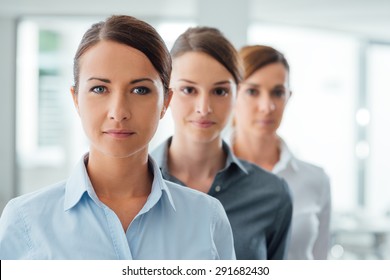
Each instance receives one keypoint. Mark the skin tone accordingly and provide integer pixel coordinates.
(204, 91)
(119, 107)
(259, 109)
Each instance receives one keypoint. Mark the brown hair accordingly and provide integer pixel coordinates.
(134, 33)
(212, 42)
(257, 56)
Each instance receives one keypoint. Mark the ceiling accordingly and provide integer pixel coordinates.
(367, 18)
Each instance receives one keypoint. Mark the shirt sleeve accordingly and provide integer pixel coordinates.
(222, 234)
(14, 240)
(321, 246)
(280, 234)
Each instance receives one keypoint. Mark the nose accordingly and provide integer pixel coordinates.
(118, 107)
(266, 104)
(203, 104)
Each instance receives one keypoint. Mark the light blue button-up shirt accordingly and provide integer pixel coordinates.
(68, 221)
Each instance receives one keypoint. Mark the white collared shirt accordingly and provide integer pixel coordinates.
(310, 189)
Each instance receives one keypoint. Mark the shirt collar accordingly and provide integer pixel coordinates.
(159, 187)
(286, 158)
(79, 183)
(232, 159)
(160, 154)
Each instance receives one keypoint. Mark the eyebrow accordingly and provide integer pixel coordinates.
(217, 83)
(259, 86)
(99, 79)
(131, 82)
(222, 82)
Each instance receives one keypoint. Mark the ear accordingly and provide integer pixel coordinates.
(290, 94)
(75, 98)
(167, 100)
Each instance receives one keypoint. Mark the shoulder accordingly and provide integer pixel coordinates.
(311, 180)
(178, 191)
(39, 200)
(265, 178)
(312, 173)
(261, 187)
(305, 166)
(190, 199)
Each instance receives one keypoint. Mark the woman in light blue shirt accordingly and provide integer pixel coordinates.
(115, 204)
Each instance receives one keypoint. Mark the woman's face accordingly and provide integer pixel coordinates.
(203, 96)
(261, 100)
(119, 100)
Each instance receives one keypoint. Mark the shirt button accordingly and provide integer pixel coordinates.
(217, 188)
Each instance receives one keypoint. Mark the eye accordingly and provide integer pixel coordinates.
(221, 91)
(278, 92)
(188, 90)
(252, 92)
(141, 90)
(99, 89)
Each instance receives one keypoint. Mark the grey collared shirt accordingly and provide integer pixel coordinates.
(257, 203)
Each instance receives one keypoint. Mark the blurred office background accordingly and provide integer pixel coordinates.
(338, 117)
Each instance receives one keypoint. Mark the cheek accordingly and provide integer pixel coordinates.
(179, 106)
(280, 108)
(147, 114)
(244, 108)
(88, 119)
(88, 110)
(225, 107)
(91, 113)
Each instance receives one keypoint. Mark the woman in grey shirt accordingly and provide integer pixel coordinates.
(204, 82)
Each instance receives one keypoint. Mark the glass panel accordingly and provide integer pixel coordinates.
(49, 137)
(378, 181)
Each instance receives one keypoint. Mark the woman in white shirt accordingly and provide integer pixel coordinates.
(261, 100)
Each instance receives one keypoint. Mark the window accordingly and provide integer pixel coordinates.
(378, 121)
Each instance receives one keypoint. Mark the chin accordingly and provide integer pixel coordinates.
(205, 138)
(264, 132)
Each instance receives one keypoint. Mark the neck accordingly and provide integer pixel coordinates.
(119, 177)
(196, 163)
(262, 150)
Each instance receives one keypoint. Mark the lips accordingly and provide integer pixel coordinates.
(119, 133)
(265, 122)
(203, 123)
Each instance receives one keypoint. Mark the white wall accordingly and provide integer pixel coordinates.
(7, 109)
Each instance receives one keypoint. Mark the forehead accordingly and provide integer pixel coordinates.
(112, 59)
(275, 72)
(199, 65)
